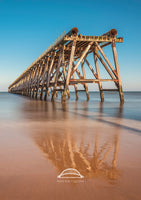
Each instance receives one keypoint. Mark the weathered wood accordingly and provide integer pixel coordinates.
(105, 44)
(38, 80)
(82, 56)
(94, 39)
(110, 90)
(35, 81)
(98, 76)
(44, 76)
(57, 73)
(84, 74)
(69, 69)
(92, 70)
(105, 66)
(91, 80)
(118, 72)
(34, 77)
(48, 76)
(75, 87)
(106, 59)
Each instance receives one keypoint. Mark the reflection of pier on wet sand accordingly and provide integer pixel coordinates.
(90, 156)
(76, 139)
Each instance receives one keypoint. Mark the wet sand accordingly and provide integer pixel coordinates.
(38, 140)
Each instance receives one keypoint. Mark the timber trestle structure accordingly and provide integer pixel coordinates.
(58, 67)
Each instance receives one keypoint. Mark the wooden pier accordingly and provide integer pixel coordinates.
(66, 63)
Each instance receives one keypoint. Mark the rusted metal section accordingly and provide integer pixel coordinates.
(58, 67)
(111, 33)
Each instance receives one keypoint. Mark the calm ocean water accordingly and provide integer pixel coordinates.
(39, 140)
(15, 106)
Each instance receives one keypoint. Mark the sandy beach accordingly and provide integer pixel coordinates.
(38, 140)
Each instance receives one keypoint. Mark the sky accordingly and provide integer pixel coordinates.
(28, 27)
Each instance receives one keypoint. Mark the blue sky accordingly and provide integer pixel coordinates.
(27, 28)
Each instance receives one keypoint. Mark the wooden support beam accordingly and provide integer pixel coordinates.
(98, 76)
(60, 90)
(57, 74)
(106, 44)
(80, 81)
(64, 73)
(75, 87)
(30, 80)
(69, 70)
(44, 77)
(48, 76)
(110, 90)
(94, 39)
(106, 59)
(105, 66)
(32, 86)
(84, 75)
(92, 70)
(82, 56)
(35, 81)
(81, 90)
(64, 65)
(118, 72)
(38, 80)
